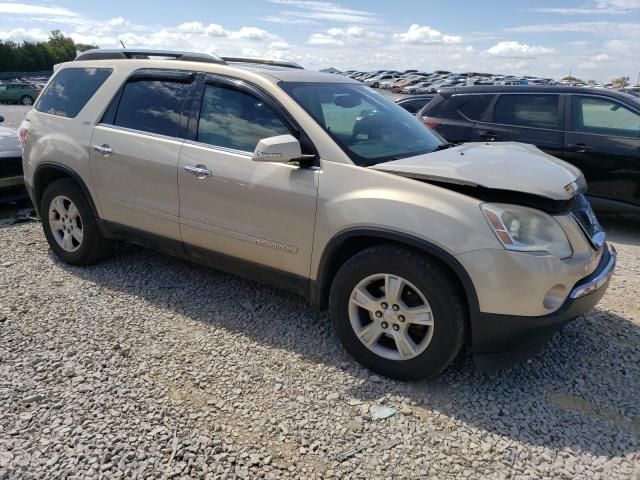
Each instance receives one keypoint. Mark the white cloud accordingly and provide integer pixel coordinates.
(600, 28)
(25, 9)
(340, 36)
(517, 50)
(426, 35)
(315, 11)
(253, 33)
(601, 57)
(578, 11)
(22, 34)
(621, 4)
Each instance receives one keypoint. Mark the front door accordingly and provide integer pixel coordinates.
(263, 213)
(603, 140)
(135, 152)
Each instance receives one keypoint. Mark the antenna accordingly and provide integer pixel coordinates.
(122, 43)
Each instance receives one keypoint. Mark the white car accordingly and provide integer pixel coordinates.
(10, 158)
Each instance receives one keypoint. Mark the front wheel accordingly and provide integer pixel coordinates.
(397, 312)
(26, 100)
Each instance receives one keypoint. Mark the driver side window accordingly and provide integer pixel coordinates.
(234, 119)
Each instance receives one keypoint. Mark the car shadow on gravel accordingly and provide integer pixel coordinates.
(581, 393)
(623, 229)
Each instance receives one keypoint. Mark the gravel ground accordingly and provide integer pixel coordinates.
(145, 366)
(13, 115)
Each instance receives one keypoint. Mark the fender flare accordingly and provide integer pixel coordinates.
(39, 190)
(319, 288)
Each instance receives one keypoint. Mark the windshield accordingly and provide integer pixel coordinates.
(367, 126)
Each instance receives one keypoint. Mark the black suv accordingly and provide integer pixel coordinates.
(596, 130)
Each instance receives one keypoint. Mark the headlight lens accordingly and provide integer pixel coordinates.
(525, 229)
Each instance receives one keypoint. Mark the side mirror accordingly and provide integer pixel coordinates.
(1, 119)
(279, 149)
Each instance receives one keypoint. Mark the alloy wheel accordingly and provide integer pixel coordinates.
(65, 223)
(391, 317)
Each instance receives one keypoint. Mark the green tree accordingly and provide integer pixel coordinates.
(32, 57)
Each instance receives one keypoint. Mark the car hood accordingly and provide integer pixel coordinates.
(509, 166)
(9, 143)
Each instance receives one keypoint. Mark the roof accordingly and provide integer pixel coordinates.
(295, 74)
(281, 70)
(535, 89)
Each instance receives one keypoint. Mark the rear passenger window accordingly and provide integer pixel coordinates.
(154, 106)
(233, 119)
(476, 107)
(70, 90)
(526, 110)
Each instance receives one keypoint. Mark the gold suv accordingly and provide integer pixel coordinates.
(314, 183)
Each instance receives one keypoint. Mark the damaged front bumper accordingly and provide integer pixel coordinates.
(499, 341)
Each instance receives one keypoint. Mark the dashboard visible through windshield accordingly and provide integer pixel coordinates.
(368, 127)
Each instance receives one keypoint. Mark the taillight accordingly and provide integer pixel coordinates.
(430, 122)
(23, 131)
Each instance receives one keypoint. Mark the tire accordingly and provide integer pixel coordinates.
(26, 100)
(424, 277)
(84, 249)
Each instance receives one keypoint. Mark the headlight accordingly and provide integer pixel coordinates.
(525, 229)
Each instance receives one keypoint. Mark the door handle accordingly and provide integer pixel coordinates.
(578, 147)
(103, 149)
(490, 136)
(199, 171)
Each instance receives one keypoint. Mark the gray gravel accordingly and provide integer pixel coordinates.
(145, 366)
(13, 115)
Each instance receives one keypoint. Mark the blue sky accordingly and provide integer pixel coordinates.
(596, 39)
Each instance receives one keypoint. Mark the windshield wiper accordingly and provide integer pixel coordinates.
(444, 146)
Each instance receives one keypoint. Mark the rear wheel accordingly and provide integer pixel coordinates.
(70, 225)
(398, 312)
(26, 100)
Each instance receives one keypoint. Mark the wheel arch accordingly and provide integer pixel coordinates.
(351, 241)
(48, 172)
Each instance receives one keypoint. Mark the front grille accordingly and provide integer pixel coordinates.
(583, 213)
(10, 167)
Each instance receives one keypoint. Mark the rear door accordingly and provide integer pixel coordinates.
(603, 140)
(263, 213)
(534, 118)
(135, 151)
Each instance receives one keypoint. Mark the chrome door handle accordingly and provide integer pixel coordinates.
(103, 149)
(199, 171)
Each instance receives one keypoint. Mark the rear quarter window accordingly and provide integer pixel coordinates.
(70, 90)
(527, 110)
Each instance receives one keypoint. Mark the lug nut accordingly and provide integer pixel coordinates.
(384, 325)
(401, 318)
(395, 308)
(396, 327)
(385, 305)
(378, 314)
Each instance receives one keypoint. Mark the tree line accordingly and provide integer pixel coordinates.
(38, 56)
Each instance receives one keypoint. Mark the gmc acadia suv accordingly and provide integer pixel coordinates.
(316, 184)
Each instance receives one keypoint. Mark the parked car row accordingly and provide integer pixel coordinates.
(413, 82)
(23, 90)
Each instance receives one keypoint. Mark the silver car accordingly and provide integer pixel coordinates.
(316, 184)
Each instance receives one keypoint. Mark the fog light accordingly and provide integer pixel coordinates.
(555, 297)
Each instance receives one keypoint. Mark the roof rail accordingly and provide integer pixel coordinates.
(120, 54)
(262, 61)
